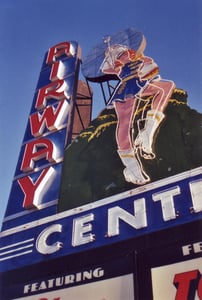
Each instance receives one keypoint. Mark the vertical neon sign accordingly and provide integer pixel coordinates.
(49, 129)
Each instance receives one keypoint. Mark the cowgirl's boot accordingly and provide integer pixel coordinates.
(133, 171)
(145, 137)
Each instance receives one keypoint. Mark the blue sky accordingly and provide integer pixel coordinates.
(28, 28)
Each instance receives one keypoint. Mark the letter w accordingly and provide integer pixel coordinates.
(52, 118)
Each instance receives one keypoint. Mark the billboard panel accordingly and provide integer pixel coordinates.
(182, 280)
(172, 267)
(107, 279)
(105, 289)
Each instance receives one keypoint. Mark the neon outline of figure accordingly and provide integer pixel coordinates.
(139, 78)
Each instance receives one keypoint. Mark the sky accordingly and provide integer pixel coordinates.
(28, 28)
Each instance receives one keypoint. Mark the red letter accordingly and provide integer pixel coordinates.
(186, 284)
(47, 298)
(54, 71)
(54, 90)
(200, 289)
(35, 191)
(36, 150)
(51, 118)
(57, 51)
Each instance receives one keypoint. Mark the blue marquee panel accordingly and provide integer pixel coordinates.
(118, 218)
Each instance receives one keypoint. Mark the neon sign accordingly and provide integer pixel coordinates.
(117, 218)
(48, 131)
(45, 230)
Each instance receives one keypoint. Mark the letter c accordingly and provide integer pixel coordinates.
(41, 242)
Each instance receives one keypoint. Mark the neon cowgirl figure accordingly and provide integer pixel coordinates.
(139, 77)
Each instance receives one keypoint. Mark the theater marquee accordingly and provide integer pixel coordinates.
(117, 204)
